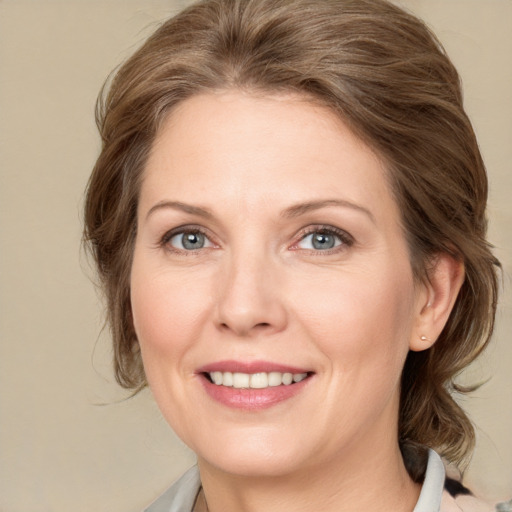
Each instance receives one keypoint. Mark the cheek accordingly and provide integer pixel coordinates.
(360, 319)
(168, 314)
(167, 310)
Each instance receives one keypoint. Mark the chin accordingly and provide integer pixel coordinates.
(251, 465)
(259, 455)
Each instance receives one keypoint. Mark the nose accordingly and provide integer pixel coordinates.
(250, 300)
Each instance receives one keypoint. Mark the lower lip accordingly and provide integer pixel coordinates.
(252, 399)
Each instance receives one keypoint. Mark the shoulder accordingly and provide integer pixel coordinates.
(459, 498)
(463, 503)
(446, 494)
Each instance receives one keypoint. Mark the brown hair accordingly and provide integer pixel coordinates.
(389, 79)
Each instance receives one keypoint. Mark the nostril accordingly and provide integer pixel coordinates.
(245, 331)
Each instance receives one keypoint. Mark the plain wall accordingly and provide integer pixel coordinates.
(68, 438)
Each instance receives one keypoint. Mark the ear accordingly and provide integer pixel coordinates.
(435, 300)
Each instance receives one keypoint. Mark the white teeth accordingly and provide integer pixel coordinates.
(259, 380)
(227, 379)
(240, 380)
(287, 379)
(275, 379)
(255, 380)
(217, 377)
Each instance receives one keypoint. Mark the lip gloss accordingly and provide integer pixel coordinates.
(250, 398)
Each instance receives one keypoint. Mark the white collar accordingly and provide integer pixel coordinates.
(433, 485)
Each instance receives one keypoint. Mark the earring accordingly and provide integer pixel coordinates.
(425, 338)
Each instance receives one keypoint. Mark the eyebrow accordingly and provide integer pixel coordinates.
(290, 212)
(184, 207)
(303, 208)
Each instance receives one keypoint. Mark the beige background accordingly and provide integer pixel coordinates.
(68, 440)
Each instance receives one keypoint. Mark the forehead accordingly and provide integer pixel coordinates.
(258, 149)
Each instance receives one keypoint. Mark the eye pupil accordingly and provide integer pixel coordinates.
(323, 241)
(192, 241)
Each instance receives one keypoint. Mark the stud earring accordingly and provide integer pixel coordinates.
(425, 338)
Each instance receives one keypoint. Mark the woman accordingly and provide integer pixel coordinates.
(288, 218)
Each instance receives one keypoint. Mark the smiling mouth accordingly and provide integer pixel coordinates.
(260, 380)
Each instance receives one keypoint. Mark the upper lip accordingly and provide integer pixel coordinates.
(250, 367)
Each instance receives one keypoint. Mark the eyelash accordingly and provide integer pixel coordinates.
(345, 238)
(180, 230)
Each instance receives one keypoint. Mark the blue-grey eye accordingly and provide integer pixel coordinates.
(189, 241)
(320, 241)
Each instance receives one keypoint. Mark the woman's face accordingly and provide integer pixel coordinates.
(269, 244)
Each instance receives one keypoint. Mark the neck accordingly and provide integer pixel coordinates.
(370, 478)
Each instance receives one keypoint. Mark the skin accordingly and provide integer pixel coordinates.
(259, 290)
